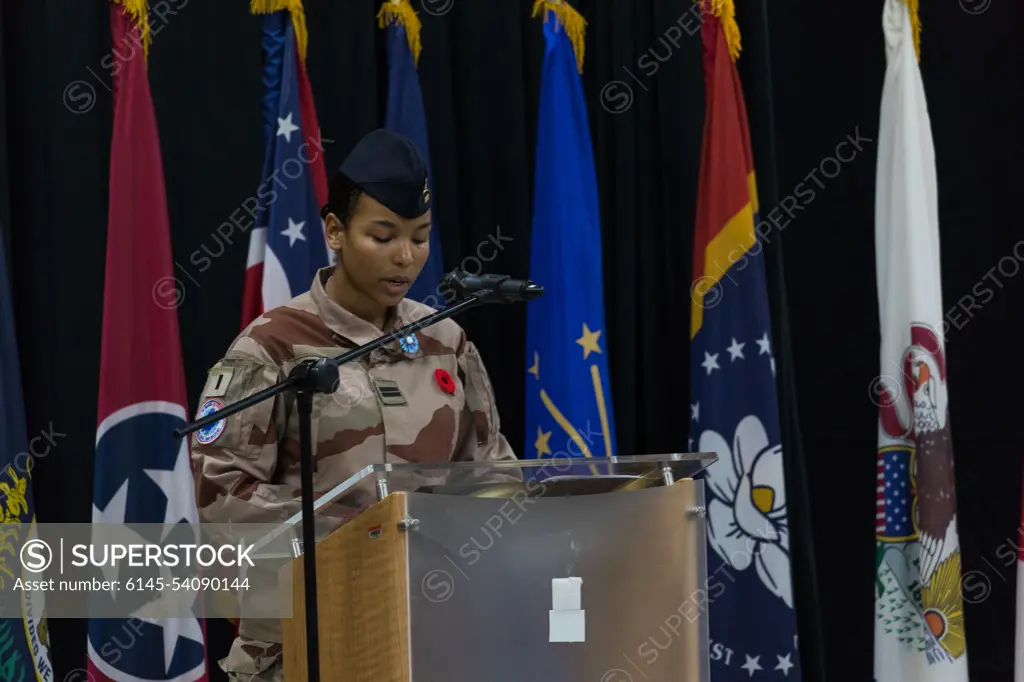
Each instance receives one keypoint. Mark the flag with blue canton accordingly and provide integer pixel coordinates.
(894, 495)
(406, 116)
(24, 644)
(287, 246)
(568, 398)
(143, 473)
(733, 406)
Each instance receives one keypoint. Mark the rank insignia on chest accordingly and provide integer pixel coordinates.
(388, 392)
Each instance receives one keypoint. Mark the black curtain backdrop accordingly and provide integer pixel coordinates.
(812, 75)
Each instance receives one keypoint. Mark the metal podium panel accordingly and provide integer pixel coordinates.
(556, 476)
(481, 574)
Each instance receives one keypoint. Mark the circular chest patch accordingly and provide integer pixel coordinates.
(208, 434)
(410, 344)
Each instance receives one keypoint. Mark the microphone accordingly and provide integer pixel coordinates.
(504, 286)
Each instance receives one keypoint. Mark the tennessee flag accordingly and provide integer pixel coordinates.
(287, 245)
(919, 613)
(568, 399)
(733, 406)
(143, 473)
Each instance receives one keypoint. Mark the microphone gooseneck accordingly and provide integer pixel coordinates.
(503, 286)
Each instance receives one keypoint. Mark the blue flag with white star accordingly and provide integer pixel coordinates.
(734, 410)
(405, 116)
(568, 398)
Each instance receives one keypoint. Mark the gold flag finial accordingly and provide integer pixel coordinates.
(401, 12)
(139, 12)
(915, 26)
(725, 12)
(570, 19)
(298, 18)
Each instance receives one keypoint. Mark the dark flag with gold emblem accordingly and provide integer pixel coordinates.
(24, 646)
(568, 400)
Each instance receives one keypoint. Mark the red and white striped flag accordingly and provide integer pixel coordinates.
(287, 245)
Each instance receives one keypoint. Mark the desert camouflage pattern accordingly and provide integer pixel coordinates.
(250, 472)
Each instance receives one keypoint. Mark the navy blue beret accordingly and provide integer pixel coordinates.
(388, 167)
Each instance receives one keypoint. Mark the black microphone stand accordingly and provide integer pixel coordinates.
(321, 376)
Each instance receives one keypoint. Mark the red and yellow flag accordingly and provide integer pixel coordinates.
(733, 400)
(727, 197)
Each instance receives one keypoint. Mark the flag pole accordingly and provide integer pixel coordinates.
(321, 376)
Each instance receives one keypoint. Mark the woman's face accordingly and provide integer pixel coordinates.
(380, 252)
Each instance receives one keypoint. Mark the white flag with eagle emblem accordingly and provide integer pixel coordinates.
(919, 621)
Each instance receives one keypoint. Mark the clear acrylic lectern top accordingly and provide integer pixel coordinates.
(532, 478)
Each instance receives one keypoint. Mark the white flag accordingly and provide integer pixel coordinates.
(919, 625)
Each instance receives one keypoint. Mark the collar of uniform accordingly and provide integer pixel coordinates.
(351, 328)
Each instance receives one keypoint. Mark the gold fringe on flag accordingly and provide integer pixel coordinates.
(401, 12)
(569, 18)
(298, 18)
(139, 12)
(725, 12)
(915, 25)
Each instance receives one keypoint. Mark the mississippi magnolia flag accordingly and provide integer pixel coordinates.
(568, 398)
(919, 617)
(733, 405)
(287, 245)
(143, 473)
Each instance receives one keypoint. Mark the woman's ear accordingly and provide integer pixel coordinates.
(334, 229)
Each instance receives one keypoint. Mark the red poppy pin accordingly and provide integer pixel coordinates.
(444, 380)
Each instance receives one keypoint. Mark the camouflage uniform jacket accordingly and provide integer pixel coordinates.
(250, 473)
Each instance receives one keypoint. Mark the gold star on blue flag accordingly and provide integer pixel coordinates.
(568, 398)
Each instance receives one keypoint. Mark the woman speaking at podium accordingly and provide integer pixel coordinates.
(423, 398)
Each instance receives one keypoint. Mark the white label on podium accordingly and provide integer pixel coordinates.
(568, 626)
(566, 620)
(565, 594)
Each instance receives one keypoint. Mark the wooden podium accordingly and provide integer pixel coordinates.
(510, 572)
(362, 600)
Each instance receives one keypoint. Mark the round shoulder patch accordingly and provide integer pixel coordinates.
(208, 434)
